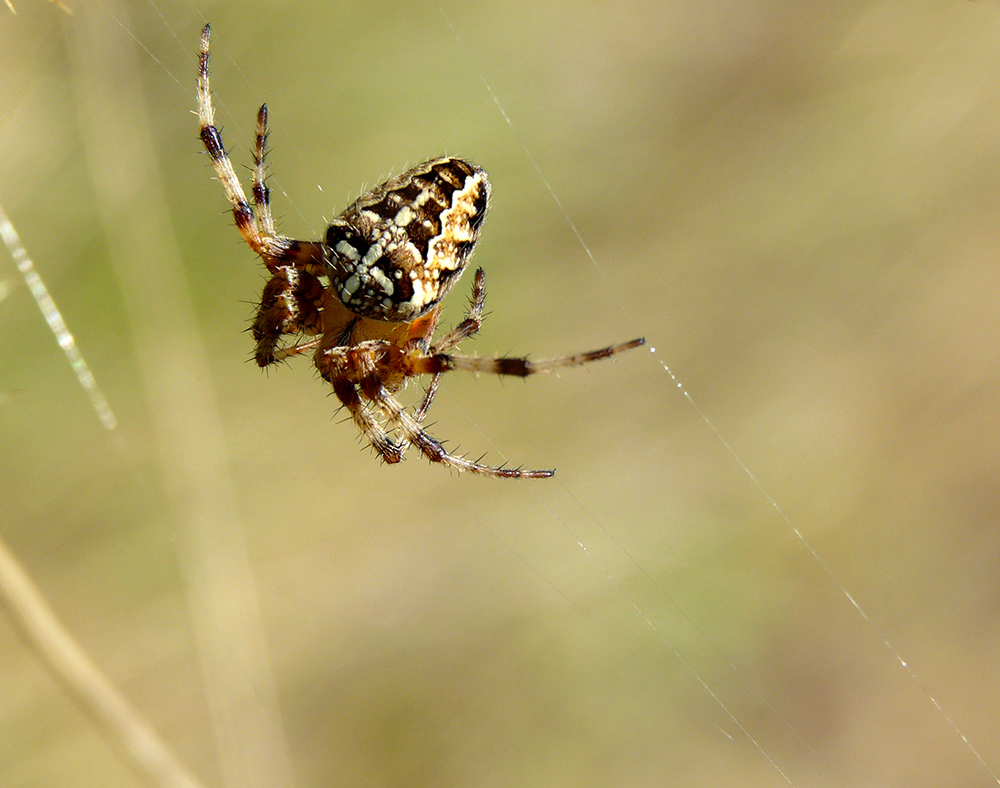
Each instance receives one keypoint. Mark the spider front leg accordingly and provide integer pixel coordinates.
(256, 226)
(261, 240)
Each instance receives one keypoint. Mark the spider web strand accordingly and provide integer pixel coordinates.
(55, 320)
(729, 449)
(831, 575)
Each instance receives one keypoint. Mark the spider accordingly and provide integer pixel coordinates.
(366, 300)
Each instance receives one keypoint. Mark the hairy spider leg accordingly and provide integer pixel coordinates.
(435, 363)
(360, 363)
(432, 449)
(364, 357)
(469, 326)
(473, 321)
(290, 303)
(262, 194)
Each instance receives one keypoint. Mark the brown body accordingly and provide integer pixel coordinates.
(366, 300)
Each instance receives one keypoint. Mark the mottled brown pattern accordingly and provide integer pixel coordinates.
(408, 240)
(366, 300)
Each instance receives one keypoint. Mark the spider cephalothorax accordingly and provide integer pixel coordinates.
(366, 300)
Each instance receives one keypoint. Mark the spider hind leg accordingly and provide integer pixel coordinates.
(357, 374)
(431, 448)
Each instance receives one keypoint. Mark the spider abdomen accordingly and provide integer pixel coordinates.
(398, 250)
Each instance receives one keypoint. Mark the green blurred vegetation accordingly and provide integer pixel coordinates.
(797, 204)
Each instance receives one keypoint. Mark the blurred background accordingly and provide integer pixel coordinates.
(796, 204)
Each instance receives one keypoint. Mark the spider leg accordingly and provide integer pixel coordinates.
(373, 432)
(467, 328)
(354, 374)
(262, 194)
(259, 234)
(210, 135)
(421, 412)
(432, 449)
(341, 367)
(472, 322)
(434, 363)
(280, 354)
(290, 304)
